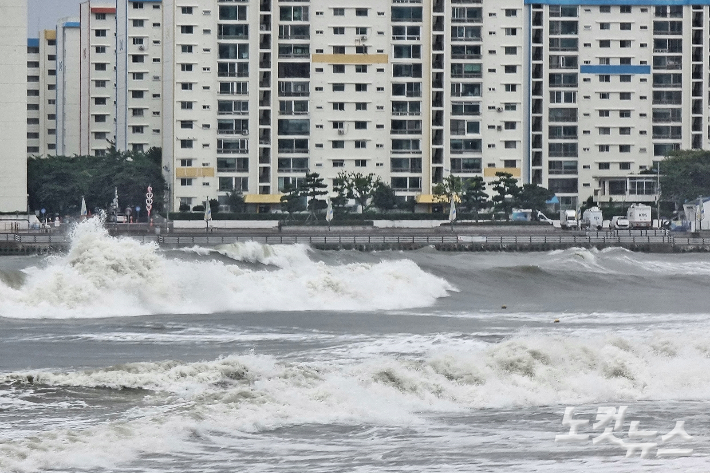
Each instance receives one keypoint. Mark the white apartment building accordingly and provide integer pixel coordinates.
(13, 103)
(584, 99)
(98, 77)
(258, 93)
(42, 94)
(68, 87)
(614, 88)
(139, 71)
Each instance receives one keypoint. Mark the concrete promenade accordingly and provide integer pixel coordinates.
(462, 238)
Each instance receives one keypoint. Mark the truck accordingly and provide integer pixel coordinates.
(639, 216)
(592, 218)
(568, 219)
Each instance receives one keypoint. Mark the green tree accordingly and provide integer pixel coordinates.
(534, 197)
(341, 194)
(359, 186)
(474, 195)
(384, 197)
(235, 200)
(685, 175)
(292, 200)
(449, 187)
(507, 192)
(214, 206)
(314, 187)
(57, 183)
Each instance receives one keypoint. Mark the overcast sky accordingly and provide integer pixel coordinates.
(43, 14)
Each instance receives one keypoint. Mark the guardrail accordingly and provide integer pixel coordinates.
(451, 240)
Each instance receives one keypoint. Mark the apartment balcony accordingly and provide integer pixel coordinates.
(668, 136)
(437, 156)
(233, 131)
(465, 56)
(413, 131)
(296, 36)
(411, 169)
(265, 6)
(232, 151)
(474, 20)
(293, 151)
(466, 38)
(265, 156)
(466, 75)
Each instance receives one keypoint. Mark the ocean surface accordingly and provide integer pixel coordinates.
(124, 357)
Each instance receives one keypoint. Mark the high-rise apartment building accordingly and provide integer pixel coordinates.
(258, 93)
(13, 103)
(68, 87)
(98, 77)
(584, 99)
(139, 72)
(42, 94)
(614, 88)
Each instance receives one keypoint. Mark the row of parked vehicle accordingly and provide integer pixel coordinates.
(637, 216)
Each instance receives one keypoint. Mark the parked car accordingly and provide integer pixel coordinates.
(619, 223)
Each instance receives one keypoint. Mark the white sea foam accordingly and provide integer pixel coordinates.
(102, 276)
(255, 393)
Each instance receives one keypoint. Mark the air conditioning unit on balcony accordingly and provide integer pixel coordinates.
(499, 109)
(141, 48)
(341, 131)
(245, 132)
(363, 38)
(499, 128)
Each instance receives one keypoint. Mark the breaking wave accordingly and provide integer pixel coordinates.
(256, 393)
(103, 276)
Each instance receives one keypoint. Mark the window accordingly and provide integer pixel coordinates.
(511, 31)
(360, 163)
(624, 113)
(624, 78)
(338, 68)
(511, 12)
(510, 125)
(187, 29)
(625, 149)
(186, 144)
(138, 23)
(360, 106)
(136, 58)
(511, 87)
(604, 95)
(510, 145)
(100, 118)
(360, 87)
(100, 33)
(100, 101)
(604, 78)
(625, 9)
(604, 43)
(361, 12)
(186, 67)
(361, 125)
(340, 87)
(338, 11)
(99, 66)
(603, 166)
(511, 69)
(186, 181)
(604, 130)
(625, 96)
(339, 30)
(603, 148)
(360, 144)
(511, 50)
(603, 113)
(361, 68)
(338, 144)
(605, 9)
(625, 26)
(186, 10)
(339, 106)
(137, 94)
(360, 49)
(625, 43)
(604, 26)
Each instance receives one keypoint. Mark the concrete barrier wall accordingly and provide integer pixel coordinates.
(408, 223)
(246, 224)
